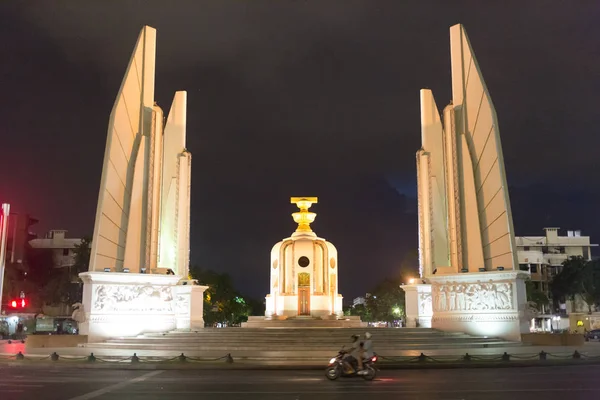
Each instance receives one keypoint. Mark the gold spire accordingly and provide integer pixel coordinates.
(304, 217)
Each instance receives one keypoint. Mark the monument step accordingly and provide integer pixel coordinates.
(313, 331)
(319, 343)
(293, 340)
(296, 343)
(384, 350)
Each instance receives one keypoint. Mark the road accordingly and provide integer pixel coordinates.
(60, 383)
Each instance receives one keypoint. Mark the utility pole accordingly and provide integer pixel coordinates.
(3, 237)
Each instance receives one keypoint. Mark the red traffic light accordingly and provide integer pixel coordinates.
(22, 303)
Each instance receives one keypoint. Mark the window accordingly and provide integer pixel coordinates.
(526, 248)
(586, 252)
(523, 267)
(65, 252)
(534, 268)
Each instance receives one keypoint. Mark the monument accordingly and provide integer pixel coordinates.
(466, 238)
(138, 274)
(304, 272)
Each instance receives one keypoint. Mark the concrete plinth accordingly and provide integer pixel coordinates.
(189, 306)
(126, 304)
(485, 303)
(418, 305)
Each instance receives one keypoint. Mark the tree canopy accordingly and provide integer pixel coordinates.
(384, 303)
(577, 277)
(222, 302)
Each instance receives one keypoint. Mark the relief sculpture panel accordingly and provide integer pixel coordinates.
(425, 304)
(133, 298)
(479, 296)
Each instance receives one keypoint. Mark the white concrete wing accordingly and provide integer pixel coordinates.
(121, 199)
(477, 123)
(175, 205)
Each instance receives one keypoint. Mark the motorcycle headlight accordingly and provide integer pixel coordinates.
(333, 360)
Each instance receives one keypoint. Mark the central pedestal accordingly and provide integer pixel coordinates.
(125, 304)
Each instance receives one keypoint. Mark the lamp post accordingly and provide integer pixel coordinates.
(3, 232)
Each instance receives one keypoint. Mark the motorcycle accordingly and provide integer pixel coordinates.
(338, 367)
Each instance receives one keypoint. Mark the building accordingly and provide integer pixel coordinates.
(62, 248)
(466, 235)
(359, 300)
(304, 272)
(543, 256)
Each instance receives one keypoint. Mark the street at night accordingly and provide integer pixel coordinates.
(24, 383)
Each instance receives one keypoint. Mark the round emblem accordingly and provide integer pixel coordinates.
(303, 261)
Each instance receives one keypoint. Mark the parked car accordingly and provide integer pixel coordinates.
(592, 335)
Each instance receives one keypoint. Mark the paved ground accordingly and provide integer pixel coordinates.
(548, 383)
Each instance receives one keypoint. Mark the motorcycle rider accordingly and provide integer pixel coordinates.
(353, 354)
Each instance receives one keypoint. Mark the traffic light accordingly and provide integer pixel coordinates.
(18, 303)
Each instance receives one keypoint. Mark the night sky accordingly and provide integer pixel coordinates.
(301, 98)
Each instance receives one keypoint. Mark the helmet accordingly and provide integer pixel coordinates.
(368, 335)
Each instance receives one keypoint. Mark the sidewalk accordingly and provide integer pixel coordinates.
(589, 349)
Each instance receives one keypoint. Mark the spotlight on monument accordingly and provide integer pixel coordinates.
(106, 269)
(411, 281)
(126, 270)
(500, 268)
(481, 269)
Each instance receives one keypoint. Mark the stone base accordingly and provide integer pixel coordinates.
(483, 303)
(418, 305)
(54, 341)
(125, 304)
(553, 339)
(304, 322)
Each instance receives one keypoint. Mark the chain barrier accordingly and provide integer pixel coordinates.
(132, 359)
(467, 358)
(390, 360)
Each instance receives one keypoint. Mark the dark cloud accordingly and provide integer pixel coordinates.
(298, 98)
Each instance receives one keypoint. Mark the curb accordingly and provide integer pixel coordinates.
(46, 364)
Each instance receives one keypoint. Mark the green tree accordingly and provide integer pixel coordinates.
(40, 270)
(222, 302)
(63, 285)
(578, 277)
(536, 295)
(362, 311)
(387, 301)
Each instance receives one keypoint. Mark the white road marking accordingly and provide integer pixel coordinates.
(373, 392)
(20, 384)
(100, 392)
